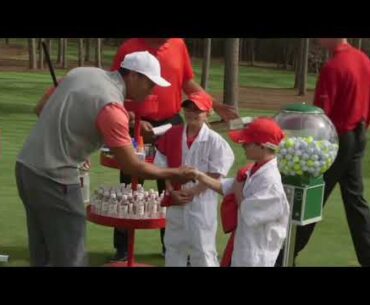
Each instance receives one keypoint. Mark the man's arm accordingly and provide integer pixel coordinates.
(112, 122)
(132, 165)
(326, 89)
(226, 112)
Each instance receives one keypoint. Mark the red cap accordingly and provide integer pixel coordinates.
(201, 99)
(263, 131)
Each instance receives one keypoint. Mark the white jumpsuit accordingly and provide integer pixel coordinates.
(191, 229)
(262, 218)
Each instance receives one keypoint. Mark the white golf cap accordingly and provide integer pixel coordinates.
(146, 64)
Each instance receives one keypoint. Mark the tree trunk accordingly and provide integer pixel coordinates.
(287, 57)
(359, 43)
(60, 50)
(87, 49)
(206, 62)
(49, 45)
(41, 54)
(302, 89)
(98, 53)
(245, 50)
(251, 50)
(298, 66)
(64, 54)
(231, 76)
(327, 55)
(32, 63)
(81, 52)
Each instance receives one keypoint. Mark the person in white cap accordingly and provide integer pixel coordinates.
(83, 112)
(192, 208)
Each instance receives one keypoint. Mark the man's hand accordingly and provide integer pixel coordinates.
(86, 165)
(147, 131)
(181, 197)
(184, 175)
(226, 112)
(188, 173)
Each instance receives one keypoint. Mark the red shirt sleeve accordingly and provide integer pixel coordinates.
(113, 123)
(51, 90)
(326, 89)
(188, 68)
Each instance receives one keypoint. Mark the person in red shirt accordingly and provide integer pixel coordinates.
(343, 92)
(176, 67)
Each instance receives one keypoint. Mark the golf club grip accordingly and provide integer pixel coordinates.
(51, 69)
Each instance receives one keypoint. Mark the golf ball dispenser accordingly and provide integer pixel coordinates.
(305, 198)
(308, 150)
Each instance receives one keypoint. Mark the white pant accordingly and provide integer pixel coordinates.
(191, 230)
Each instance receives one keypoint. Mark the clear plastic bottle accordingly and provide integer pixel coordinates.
(105, 203)
(113, 206)
(123, 207)
(98, 205)
(101, 193)
(140, 210)
(146, 208)
(155, 209)
(130, 210)
(163, 212)
(119, 195)
(112, 191)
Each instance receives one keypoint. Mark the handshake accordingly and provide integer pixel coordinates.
(186, 174)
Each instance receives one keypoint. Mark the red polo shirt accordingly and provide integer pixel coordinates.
(343, 88)
(175, 67)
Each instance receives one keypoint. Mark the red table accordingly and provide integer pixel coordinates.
(141, 109)
(130, 225)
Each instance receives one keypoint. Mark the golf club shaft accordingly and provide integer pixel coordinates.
(51, 69)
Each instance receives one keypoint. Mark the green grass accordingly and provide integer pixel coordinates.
(330, 246)
(251, 77)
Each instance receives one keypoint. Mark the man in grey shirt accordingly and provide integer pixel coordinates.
(84, 111)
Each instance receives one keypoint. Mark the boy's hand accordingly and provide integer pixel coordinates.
(181, 197)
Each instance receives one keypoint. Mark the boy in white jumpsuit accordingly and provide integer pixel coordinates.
(192, 212)
(263, 209)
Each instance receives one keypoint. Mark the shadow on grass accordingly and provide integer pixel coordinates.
(18, 256)
(98, 259)
(8, 108)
